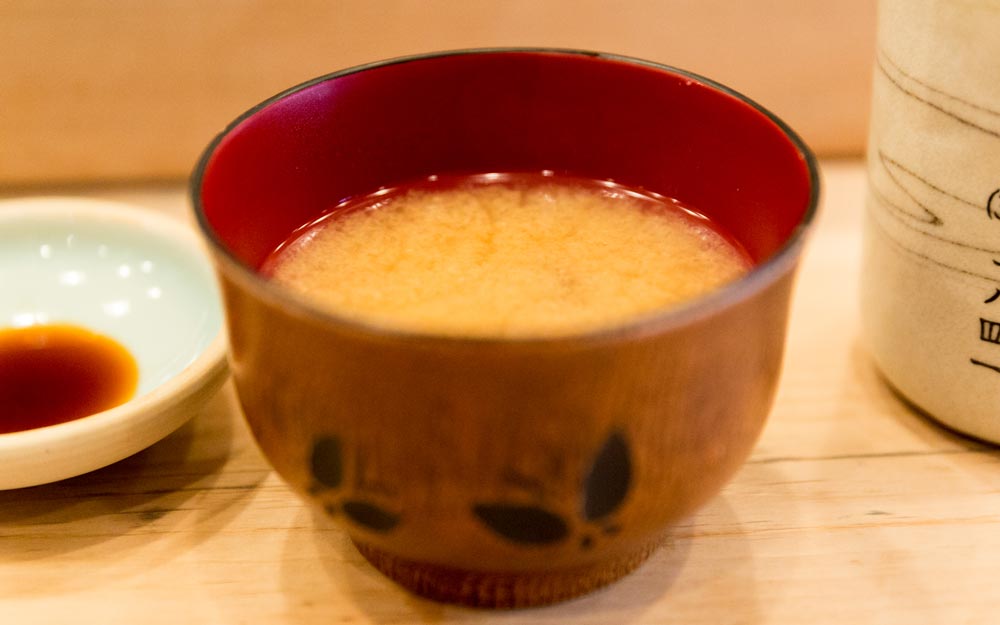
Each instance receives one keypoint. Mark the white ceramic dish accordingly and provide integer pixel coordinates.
(138, 277)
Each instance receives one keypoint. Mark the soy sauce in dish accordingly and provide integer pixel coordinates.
(52, 374)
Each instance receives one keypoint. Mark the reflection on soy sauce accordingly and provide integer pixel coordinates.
(52, 374)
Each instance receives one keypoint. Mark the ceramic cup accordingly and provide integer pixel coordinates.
(931, 279)
(506, 472)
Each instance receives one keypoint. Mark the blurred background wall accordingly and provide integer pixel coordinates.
(120, 90)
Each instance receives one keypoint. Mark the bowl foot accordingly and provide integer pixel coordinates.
(500, 589)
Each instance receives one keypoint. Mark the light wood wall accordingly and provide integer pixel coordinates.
(133, 89)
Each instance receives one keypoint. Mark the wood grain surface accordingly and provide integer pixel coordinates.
(113, 89)
(852, 509)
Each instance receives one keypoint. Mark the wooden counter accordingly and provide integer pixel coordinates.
(852, 509)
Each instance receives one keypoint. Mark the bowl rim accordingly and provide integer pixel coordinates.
(757, 279)
(209, 364)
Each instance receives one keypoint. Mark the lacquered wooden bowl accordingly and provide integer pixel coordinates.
(499, 472)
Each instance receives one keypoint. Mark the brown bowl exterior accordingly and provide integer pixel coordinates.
(506, 457)
(507, 472)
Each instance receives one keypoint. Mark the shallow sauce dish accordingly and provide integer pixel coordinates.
(134, 276)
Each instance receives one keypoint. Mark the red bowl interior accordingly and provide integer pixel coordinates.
(298, 154)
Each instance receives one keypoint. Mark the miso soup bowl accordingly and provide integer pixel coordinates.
(506, 472)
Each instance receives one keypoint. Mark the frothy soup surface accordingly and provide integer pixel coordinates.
(505, 255)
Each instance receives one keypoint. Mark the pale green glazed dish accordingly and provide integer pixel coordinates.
(136, 276)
